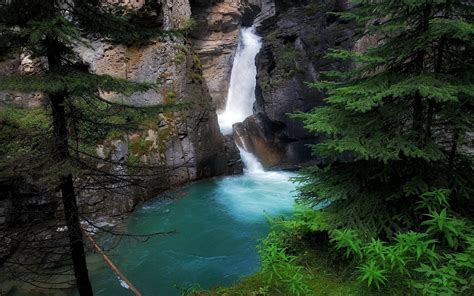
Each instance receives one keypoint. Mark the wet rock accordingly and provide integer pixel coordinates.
(270, 143)
(234, 163)
(295, 42)
(215, 39)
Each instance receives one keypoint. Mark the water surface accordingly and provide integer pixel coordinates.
(218, 224)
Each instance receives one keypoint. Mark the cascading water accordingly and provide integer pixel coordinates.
(241, 95)
(252, 165)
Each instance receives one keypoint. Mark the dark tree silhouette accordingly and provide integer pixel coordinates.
(48, 152)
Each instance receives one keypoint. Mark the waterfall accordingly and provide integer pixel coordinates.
(252, 165)
(241, 95)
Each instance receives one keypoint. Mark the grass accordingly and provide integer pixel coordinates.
(320, 278)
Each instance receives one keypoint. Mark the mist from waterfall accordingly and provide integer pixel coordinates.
(241, 95)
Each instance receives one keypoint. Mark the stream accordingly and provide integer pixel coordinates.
(218, 222)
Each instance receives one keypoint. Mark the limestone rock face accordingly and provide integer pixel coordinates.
(185, 145)
(295, 42)
(215, 39)
(21, 63)
(188, 144)
(172, 13)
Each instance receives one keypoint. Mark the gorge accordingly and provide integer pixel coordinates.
(218, 222)
(236, 147)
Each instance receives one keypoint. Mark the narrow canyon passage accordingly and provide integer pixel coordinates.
(218, 221)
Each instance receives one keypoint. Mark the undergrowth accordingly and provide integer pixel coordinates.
(303, 256)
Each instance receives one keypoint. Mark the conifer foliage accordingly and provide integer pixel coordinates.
(398, 142)
(49, 149)
(403, 116)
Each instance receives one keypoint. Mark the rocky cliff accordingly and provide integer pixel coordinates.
(184, 145)
(296, 39)
(215, 39)
(188, 144)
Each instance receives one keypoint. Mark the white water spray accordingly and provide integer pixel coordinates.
(252, 165)
(241, 95)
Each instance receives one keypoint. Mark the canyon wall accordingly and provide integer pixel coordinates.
(295, 41)
(184, 145)
(187, 145)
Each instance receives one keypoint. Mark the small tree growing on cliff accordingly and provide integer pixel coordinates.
(51, 146)
(403, 116)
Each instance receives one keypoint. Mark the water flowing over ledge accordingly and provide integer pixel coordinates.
(241, 95)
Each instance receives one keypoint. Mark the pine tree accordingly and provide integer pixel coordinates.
(400, 123)
(49, 149)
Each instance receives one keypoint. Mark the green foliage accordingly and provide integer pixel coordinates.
(139, 146)
(346, 239)
(281, 268)
(22, 131)
(57, 26)
(271, 37)
(265, 85)
(100, 120)
(123, 25)
(422, 261)
(394, 123)
(34, 119)
(69, 82)
(437, 259)
(189, 24)
(287, 55)
(372, 273)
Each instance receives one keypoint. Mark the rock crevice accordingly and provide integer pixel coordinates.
(295, 41)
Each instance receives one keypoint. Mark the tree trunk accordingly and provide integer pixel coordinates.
(418, 116)
(71, 212)
(429, 121)
(66, 184)
(454, 147)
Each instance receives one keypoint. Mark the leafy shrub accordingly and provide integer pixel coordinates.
(282, 269)
(437, 259)
(434, 258)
